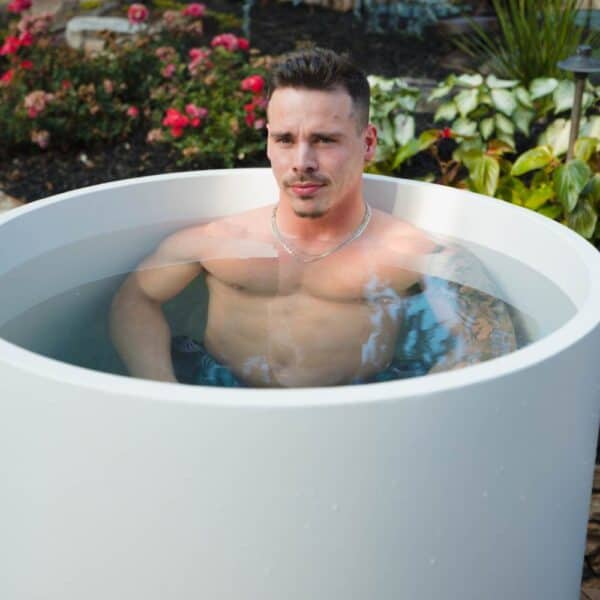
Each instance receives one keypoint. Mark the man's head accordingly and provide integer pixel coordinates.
(319, 134)
(323, 70)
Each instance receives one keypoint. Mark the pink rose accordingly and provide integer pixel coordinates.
(7, 77)
(17, 6)
(259, 124)
(41, 138)
(176, 121)
(243, 43)
(227, 40)
(196, 114)
(254, 84)
(165, 53)
(35, 102)
(137, 13)
(35, 24)
(199, 57)
(26, 65)
(133, 112)
(195, 9)
(168, 70)
(26, 39)
(11, 45)
(196, 111)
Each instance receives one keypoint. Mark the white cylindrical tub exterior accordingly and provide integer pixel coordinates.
(463, 485)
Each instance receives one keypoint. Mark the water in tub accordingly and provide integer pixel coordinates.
(261, 311)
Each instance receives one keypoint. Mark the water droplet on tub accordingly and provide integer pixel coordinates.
(432, 560)
(522, 498)
(335, 507)
(267, 571)
(305, 525)
(501, 469)
(484, 493)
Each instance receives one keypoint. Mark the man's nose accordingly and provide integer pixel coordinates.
(305, 159)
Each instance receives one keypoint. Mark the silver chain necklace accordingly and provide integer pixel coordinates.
(305, 256)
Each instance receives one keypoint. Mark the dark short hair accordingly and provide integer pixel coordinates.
(325, 70)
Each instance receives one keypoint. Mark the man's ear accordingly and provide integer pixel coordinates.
(370, 138)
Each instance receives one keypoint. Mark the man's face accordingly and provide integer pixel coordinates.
(316, 150)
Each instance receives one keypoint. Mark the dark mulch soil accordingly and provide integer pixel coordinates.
(276, 28)
(281, 27)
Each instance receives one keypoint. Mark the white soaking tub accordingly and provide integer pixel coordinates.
(467, 485)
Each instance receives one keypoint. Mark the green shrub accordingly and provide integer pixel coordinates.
(495, 108)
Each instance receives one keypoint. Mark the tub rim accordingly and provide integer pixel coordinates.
(584, 322)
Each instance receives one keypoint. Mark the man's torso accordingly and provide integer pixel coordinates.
(279, 321)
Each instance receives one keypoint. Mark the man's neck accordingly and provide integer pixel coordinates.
(338, 222)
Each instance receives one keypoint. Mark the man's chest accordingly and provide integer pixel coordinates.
(345, 277)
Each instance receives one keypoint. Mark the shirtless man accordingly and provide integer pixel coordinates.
(319, 300)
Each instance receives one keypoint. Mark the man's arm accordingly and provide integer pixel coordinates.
(466, 300)
(138, 328)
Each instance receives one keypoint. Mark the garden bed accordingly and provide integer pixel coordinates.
(275, 28)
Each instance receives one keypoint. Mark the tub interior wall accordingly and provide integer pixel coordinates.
(106, 232)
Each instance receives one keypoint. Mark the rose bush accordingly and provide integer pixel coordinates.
(200, 95)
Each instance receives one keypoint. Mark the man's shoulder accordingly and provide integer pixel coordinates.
(401, 236)
(254, 220)
(237, 225)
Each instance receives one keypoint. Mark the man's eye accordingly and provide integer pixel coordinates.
(324, 140)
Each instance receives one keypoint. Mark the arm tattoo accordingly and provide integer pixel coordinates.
(465, 298)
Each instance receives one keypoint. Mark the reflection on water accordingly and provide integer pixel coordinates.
(275, 322)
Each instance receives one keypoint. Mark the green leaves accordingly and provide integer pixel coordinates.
(494, 83)
(464, 127)
(446, 112)
(585, 147)
(466, 101)
(542, 86)
(569, 181)
(487, 127)
(404, 128)
(563, 96)
(523, 96)
(485, 116)
(504, 101)
(536, 158)
(583, 220)
(467, 80)
(556, 136)
(485, 174)
(522, 119)
(537, 197)
(404, 153)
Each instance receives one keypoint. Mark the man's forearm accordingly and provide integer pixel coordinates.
(141, 335)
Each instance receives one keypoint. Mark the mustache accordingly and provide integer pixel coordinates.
(288, 182)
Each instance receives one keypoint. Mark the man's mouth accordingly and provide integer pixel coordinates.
(306, 189)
